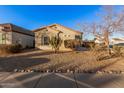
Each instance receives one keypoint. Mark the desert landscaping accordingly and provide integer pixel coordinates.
(73, 61)
(62, 53)
(57, 48)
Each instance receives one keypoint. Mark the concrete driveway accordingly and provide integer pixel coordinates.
(60, 80)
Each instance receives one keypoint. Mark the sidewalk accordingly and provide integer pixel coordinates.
(59, 80)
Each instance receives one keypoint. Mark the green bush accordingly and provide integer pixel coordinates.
(14, 48)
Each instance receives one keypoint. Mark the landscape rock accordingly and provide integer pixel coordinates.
(68, 70)
(15, 70)
(31, 70)
(99, 72)
(22, 70)
(110, 72)
(76, 71)
(47, 71)
(71, 71)
(122, 72)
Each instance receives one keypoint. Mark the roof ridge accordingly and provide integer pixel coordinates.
(58, 25)
(53, 29)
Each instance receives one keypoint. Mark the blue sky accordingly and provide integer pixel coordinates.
(32, 17)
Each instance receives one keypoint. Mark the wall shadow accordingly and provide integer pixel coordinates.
(8, 64)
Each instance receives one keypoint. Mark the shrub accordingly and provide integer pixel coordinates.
(3, 49)
(72, 43)
(68, 44)
(89, 44)
(118, 50)
(14, 48)
(103, 57)
(100, 48)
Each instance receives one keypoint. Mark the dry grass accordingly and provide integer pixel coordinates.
(84, 61)
(39, 60)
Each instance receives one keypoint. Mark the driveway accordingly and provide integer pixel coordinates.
(60, 80)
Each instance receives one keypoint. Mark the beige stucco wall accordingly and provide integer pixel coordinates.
(116, 41)
(38, 38)
(22, 39)
(67, 34)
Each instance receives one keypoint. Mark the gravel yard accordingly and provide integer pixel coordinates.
(64, 61)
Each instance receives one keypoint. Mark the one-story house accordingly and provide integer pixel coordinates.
(117, 41)
(13, 34)
(44, 34)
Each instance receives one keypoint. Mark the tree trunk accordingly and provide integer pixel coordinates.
(108, 48)
(106, 41)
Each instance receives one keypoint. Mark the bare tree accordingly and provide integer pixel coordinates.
(111, 21)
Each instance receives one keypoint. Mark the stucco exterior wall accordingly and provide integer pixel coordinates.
(38, 38)
(24, 40)
(116, 41)
(67, 34)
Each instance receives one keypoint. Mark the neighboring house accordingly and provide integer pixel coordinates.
(12, 34)
(117, 41)
(43, 35)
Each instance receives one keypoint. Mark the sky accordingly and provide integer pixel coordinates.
(34, 16)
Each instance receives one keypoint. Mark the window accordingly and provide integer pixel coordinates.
(2, 38)
(78, 37)
(45, 40)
